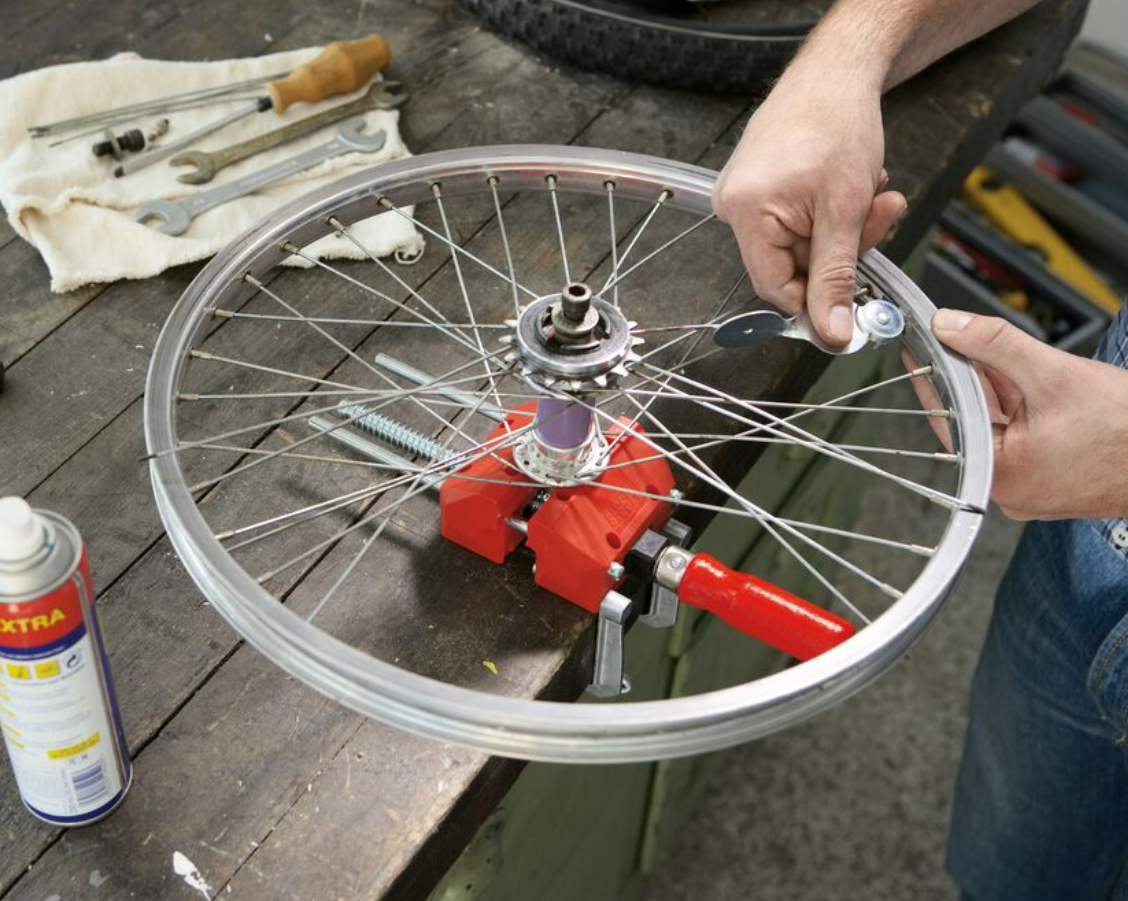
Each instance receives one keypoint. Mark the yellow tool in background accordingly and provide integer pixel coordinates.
(1011, 213)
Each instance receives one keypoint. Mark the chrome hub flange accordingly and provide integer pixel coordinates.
(561, 466)
(572, 340)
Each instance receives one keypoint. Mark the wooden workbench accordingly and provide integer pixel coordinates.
(273, 791)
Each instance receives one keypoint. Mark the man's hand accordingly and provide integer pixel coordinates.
(1060, 421)
(803, 194)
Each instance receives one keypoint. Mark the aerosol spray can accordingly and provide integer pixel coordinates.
(58, 713)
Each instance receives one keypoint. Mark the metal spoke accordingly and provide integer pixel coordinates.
(375, 370)
(606, 455)
(615, 279)
(702, 472)
(374, 323)
(343, 230)
(492, 181)
(387, 204)
(551, 179)
(412, 490)
(438, 194)
(368, 289)
(461, 458)
(769, 520)
(810, 440)
(788, 405)
(406, 393)
(609, 187)
(208, 357)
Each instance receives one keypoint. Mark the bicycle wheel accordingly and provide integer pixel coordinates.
(650, 44)
(308, 430)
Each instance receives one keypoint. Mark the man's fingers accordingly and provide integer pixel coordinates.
(835, 239)
(995, 411)
(997, 344)
(887, 208)
(773, 272)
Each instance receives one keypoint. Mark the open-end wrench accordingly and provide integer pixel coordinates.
(208, 164)
(174, 216)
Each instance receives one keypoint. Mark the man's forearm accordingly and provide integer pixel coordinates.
(880, 43)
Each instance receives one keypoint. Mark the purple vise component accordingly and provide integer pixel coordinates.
(562, 424)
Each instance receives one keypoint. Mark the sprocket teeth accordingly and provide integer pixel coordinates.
(635, 342)
(601, 381)
(512, 323)
(505, 339)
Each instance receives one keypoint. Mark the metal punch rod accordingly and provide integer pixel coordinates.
(161, 104)
(418, 377)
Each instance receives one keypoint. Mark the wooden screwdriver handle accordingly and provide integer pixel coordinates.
(342, 67)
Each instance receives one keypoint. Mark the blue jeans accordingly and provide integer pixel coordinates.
(1041, 806)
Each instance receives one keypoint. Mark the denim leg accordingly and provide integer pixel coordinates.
(1041, 806)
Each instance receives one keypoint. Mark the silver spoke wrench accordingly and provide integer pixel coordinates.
(874, 322)
(174, 216)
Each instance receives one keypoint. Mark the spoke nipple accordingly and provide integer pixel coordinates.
(437, 188)
(200, 354)
(493, 180)
(336, 223)
(247, 277)
(222, 314)
(290, 247)
(609, 185)
(187, 397)
(665, 195)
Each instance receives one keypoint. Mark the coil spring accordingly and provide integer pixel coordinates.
(395, 433)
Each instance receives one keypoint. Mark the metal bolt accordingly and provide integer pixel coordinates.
(616, 571)
(575, 300)
(395, 432)
(676, 563)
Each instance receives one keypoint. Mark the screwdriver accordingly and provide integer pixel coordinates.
(342, 67)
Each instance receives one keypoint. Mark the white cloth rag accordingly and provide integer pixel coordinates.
(68, 204)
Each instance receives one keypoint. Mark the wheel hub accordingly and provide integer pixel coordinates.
(572, 340)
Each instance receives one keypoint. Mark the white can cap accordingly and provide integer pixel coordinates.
(21, 530)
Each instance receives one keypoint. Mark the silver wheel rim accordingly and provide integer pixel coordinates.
(540, 730)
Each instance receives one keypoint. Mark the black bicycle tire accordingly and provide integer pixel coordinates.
(649, 47)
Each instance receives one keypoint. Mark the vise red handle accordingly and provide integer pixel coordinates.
(760, 609)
